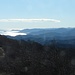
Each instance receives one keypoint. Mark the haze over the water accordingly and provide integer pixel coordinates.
(36, 14)
(12, 33)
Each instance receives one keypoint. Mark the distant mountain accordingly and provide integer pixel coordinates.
(43, 31)
(46, 35)
(43, 36)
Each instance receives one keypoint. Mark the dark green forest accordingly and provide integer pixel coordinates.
(20, 57)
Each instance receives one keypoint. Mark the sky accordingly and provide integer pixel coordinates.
(24, 14)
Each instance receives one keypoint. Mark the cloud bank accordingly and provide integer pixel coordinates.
(29, 20)
(11, 33)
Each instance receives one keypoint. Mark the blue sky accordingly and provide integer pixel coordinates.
(12, 12)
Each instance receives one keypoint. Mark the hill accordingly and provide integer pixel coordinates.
(19, 57)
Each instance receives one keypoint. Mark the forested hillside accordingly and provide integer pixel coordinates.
(19, 57)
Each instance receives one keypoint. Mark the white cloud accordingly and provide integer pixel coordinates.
(29, 20)
(11, 33)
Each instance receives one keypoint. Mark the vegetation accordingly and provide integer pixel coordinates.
(31, 58)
